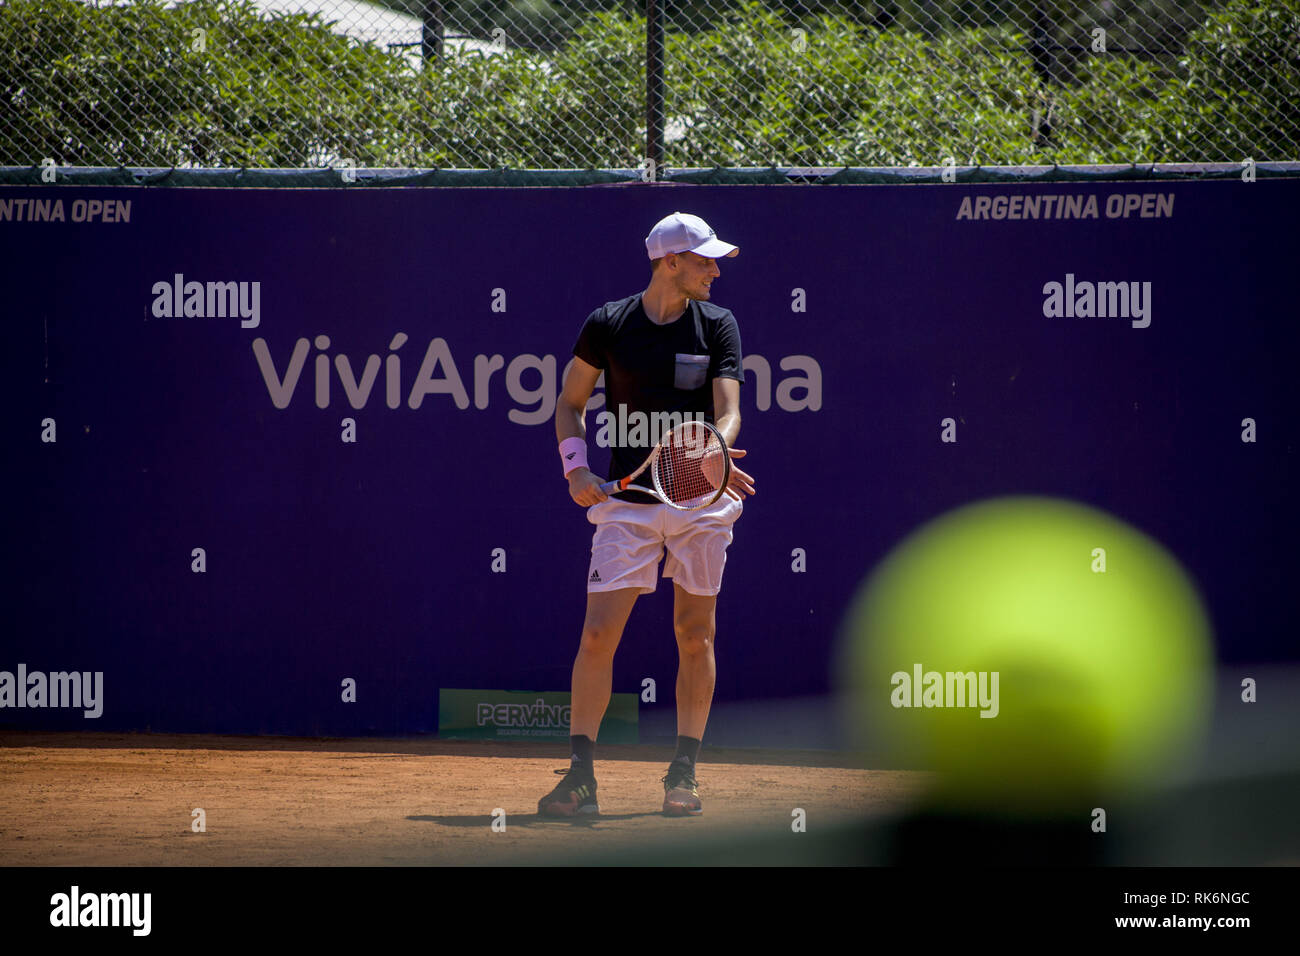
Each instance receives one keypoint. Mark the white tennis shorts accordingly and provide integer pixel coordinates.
(630, 540)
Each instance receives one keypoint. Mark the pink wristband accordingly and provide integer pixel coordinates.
(573, 452)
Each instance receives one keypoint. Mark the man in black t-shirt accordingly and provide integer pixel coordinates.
(666, 353)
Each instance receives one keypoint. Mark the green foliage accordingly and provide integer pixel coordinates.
(1117, 97)
(795, 84)
(581, 108)
(839, 94)
(1233, 93)
(1238, 93)
(124, 84)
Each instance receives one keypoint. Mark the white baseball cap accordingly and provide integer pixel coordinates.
(682, 232)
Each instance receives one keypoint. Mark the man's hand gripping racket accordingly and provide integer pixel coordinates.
(690, 469)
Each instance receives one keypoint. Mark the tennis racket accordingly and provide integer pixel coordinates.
(690, 468)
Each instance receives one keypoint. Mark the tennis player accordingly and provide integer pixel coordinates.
(665, 351)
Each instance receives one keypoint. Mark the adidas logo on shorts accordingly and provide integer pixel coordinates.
(595, 577)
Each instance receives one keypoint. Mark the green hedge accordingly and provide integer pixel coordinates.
(124, 85)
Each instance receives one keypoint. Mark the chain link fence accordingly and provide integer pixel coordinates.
(650, 84)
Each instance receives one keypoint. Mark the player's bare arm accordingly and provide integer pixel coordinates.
(726, 416)
(571, 422)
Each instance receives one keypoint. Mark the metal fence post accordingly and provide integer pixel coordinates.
(654, 81)
(1042, 48)
(431, 30)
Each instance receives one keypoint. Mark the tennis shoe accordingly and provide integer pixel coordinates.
(681, 791)
(573, 796)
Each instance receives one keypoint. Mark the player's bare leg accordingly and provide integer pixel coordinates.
(593, 679)
(593, 668)
(694, 622)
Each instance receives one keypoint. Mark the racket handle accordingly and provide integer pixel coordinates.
(610, 487)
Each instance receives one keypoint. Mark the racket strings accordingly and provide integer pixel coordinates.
(691, 466)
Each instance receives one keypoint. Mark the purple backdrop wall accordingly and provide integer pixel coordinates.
(373, 560)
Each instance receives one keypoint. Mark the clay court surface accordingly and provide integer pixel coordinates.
(126, 800)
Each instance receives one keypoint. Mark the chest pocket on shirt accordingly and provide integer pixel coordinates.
(690, 371)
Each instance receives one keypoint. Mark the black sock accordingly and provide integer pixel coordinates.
(688, 749)
(582, 754)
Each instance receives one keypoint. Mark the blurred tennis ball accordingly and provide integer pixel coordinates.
(1038, 653)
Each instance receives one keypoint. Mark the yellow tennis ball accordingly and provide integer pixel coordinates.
(1038, 653)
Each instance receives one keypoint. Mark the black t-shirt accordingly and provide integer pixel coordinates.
(653, 371)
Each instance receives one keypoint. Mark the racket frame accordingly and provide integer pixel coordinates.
(621, 484)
